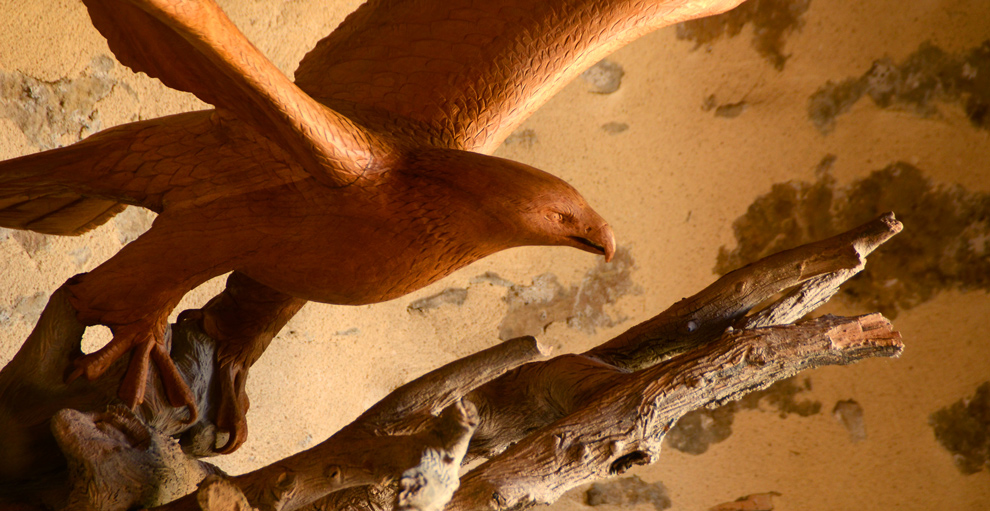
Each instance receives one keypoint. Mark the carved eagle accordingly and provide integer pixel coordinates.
(366, 178)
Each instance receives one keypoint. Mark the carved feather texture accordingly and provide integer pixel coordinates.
(193, 46)
(473, 70)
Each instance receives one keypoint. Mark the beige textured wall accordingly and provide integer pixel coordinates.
(672, 170)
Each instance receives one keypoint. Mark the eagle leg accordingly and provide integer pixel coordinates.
(243, 319)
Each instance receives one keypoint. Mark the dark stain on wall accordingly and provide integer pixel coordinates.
(724, 110)
(523, 138)
(696, 431)
(451, 295)
(628, 492)
(772, 21)
(963, 428)
(945, 243)
(927, 77)
(53, 114)
(849, 413)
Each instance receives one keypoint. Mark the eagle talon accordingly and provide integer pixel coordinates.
(134, 384)
(178, 392)
(234, 404)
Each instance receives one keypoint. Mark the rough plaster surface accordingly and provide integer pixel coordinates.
(532, 308)
(698, 430)
(672, 177)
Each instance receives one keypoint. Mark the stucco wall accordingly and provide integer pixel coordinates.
(792, 120)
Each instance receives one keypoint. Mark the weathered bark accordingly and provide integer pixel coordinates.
(544, 426)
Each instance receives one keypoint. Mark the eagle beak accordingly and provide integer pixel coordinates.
(600, 241)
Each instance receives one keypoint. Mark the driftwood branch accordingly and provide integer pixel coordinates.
(624, 423)
(543, 426)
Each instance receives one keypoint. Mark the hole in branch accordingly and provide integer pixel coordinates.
(626, 462)
(95, 337)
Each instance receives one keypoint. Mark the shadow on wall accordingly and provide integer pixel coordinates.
(696, 431)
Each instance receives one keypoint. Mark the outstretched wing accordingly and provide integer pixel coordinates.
(177, 161)
(192, 46)
(473, 70)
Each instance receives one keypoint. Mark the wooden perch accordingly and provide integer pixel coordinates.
(544, 426)
(625, 422)
(154, 470)
(817, 268)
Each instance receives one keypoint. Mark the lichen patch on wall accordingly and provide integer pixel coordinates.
(523, 138)
(451, 295)
(54, 114)
(25, 308)
(614, 128)
(772, 20)
(32, 242)
(132, 222)
(752, 502)
(724, 110)
(926, 78)
(945, 243)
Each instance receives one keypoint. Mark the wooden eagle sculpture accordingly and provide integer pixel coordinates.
(365, 179)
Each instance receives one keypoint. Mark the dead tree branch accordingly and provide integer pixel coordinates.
(625, 422)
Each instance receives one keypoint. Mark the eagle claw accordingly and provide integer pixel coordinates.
(233, 406)
(144, 349)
